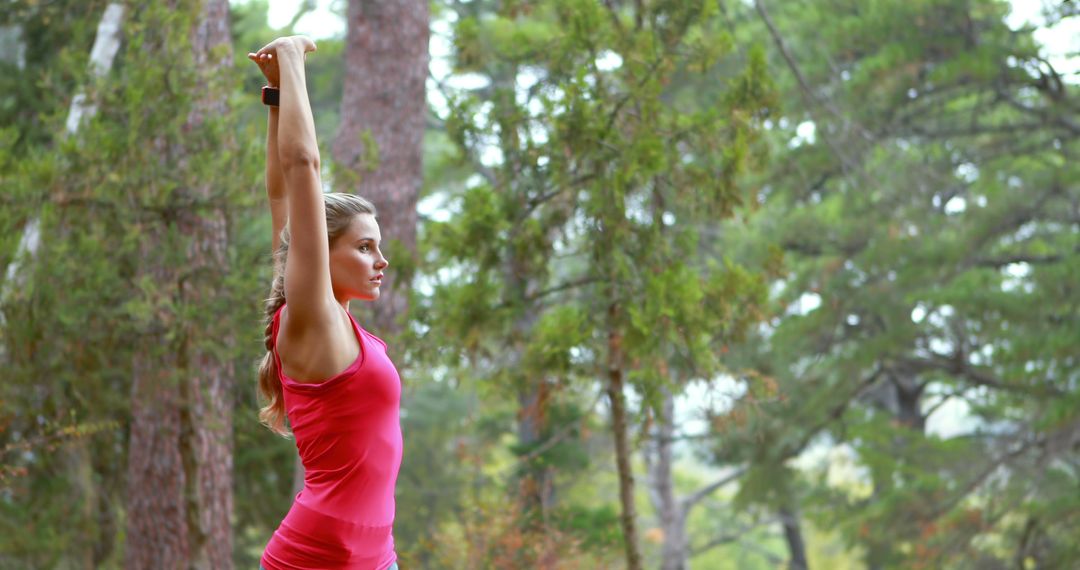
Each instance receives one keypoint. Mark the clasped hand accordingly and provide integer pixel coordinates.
(267, 58)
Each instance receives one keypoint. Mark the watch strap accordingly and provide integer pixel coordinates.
(271, 96)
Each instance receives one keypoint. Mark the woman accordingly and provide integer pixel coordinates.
(324, 373)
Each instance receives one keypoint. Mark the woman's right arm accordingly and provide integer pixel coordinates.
(307, 269)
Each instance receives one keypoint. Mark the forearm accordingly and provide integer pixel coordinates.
(296, 142)
(275, 179)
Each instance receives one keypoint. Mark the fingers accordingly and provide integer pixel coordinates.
(269, 51)
(269, 48)
(305, 43)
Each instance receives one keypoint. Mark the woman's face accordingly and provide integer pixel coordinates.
(356, 263)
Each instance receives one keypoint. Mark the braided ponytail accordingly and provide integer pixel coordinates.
(272, 415)
(340, 211)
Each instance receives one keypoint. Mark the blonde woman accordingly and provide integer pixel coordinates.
(331, 379)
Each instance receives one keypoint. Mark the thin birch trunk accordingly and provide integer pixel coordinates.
(102, 54)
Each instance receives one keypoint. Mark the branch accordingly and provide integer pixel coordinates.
(812, 100)
(561, 287)
(722, 539)
(988, 470)
(959, 367)
(834, 415)
(970, 131)
(564, 286)
(1046, 117)
(688, 502)
(560, 435)
(999, 262)
(470, 153)
(537, 201)
(728, 538)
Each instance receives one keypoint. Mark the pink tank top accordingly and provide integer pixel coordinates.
(348, 433)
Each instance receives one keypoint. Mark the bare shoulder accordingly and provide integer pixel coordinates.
(316, 349)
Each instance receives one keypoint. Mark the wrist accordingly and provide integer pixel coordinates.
(271, 96)
(289, 49)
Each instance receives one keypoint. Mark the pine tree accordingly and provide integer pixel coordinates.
(583, 229)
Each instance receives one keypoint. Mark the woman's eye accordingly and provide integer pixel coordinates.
(365, 248)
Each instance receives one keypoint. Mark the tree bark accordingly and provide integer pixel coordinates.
(157, 534)
(537, 485)
(622, 444)
(659, 460)
(379, 141)
(208, 398)
(789, 519)
(180, 460)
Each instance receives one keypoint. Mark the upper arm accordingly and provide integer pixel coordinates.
(279, 215)
(308, 291)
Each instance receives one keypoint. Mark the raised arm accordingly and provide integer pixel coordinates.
(308, 290)
(275, 178)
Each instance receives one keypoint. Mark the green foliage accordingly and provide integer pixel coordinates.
(597, 527)
(81, 305)
(911, 221)
(585, 227)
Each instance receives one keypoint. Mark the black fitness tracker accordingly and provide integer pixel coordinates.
(271, 96)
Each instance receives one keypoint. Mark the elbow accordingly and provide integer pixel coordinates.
(300, 159)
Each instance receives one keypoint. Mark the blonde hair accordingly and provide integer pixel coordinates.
(340, 211)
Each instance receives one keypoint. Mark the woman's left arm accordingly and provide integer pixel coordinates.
(275, 178)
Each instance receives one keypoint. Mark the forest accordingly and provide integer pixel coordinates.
(709, 284)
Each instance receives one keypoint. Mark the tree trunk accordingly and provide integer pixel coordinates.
(180, 462)
(12, 47)
(537, 485)
(900, 396)
(789, 519)
(156, 512)
(208, 398)
(622, 444)
(659, 461)
(536, 490)
(382, 127)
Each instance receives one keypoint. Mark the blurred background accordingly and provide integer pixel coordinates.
(726, 284)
